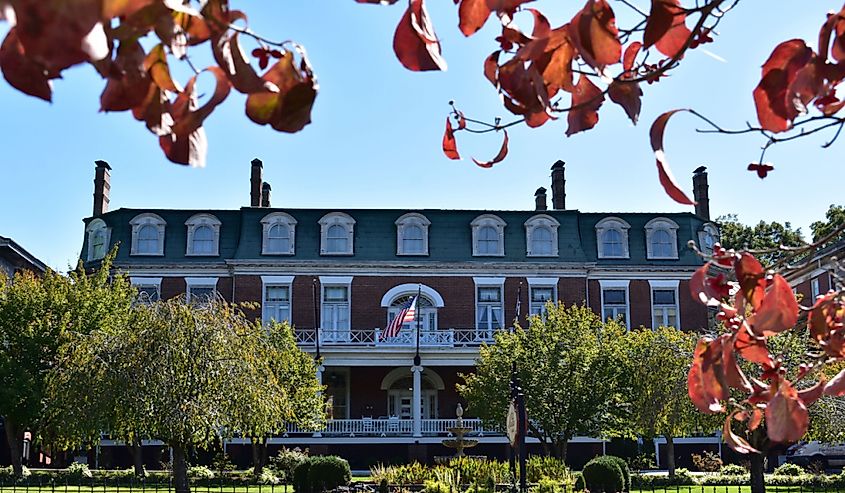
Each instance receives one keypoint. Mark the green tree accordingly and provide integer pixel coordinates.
(570, 365)
(835, 216)
(38, 315)
(658, 363)
(763, 238)
(187, 375)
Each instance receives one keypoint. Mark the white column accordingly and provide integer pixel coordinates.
(320, 370)
(417, 398)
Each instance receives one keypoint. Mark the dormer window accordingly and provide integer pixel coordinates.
(279, 233)
(661, 239)
(541, 236)
(612, 238)
(707, 237)
(203, 235)
(336, 231)
(488, 236)
(147, 234)
(412, 234)
(98, 239)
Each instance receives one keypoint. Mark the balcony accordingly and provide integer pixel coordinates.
(407, 338)
(389, 427)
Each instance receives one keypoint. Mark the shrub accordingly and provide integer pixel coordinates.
(286, 461)
(642, 462)
(726, 479)
(733, 470)
(475, 470)
(647, 481)
(548, 485)
(623, 466)
(789, 469)
(328, 472)
(200, 472)
(539, 467)
(7, 473)
(78, 470)
(413, 473)
(300, 477)
(435, 487)
(707, 462)
(604, 474)
(580, 485)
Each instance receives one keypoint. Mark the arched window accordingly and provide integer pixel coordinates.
(541, 241)
(661, 238)
(412, 234)
(412, 240)
(707, 237)
(612, 238)
(336, 230)
(488, 236)
(541, 236)
(279, 234)
(426, 312)
(98, 239)
(336, 239)
(203, 243)
(99, 243)
(488, 241)
(203, 235)
(612, 243)
(147, 234)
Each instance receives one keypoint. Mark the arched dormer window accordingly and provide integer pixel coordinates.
(707, 237)
(279, 233)
(612, 238)
(661, 236)
(336, 234)
(98, 239)
(541, 236)
(203, 235)
(147, 234)
(412, 234)
(488, 236)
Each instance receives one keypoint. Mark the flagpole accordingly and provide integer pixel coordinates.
(418, 316)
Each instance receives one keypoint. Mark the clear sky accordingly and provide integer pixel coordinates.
(375, 137)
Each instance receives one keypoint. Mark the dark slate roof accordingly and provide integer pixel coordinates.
(450, 235)
(19, 257)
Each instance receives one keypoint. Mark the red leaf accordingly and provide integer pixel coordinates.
(450, 147)
(472, 14)
(630, 55)
(670, 185)
(752, 280)
(751, 347)
(756, 419)
(129, 87)
(21, 72)
(414, 41)
(119, 8)
(627, 95)
(190, 121)
(156, 64)
(666, 27)
(737, 443)
(762, 169)
(526, 93)
(190, 146)
(709, 290)
(542, 28)
(289, 109)
(382, 2)
(775, 110)
(705, 381)
(787, 417)
(586, 101)
(505, 6)
(836, 386)
(594, 33)
(499, 157)
(734, 376)
(491, 68)
(778, 310)
(231, 58)
(812, 394)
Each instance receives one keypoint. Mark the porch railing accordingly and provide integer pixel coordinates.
(386, 427)
(452, 337)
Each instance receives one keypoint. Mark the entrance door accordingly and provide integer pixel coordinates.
(400, 402)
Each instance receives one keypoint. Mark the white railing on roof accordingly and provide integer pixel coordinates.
(406, 338)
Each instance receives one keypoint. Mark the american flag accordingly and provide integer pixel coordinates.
(406, 314)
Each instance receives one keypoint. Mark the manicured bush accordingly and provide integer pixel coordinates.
(789, 469)
(286, 461)
(300, 477)
(733, 469)
(725, 479)
(647, 481)
(78, 470)
(623, 466)
(604, 474)
(328, 472)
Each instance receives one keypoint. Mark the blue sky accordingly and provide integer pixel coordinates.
(375, 136)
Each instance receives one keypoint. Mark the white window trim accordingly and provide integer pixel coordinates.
(93, 227)
(542, 282)
(328, 281)
(411, 288)
(411, 219)
(271, 220)
(665, 284)
(488, 220)
(196, 221)
(617, 284)
(199, 282)
(609, 223)
(147, 282)
(341, 219)
(711, 230)
(487, 282)
(273, 281)
(667, 225)
(147, 218)
(541, 221)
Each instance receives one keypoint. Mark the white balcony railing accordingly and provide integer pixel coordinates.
(389, 427)
(406, 338)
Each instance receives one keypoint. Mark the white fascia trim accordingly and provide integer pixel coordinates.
(276, 279)
(542, 281)
(336, 279)
(489, 281)
(664, 283)
(145, 281)
(202, 281)
(614, 283)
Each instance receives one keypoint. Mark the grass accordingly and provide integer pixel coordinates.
(289, 489)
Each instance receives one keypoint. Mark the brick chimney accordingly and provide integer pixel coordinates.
(558, 186)
(540, 199)
(700, 192)
(255, 183)
(102, 185)
(265, 194)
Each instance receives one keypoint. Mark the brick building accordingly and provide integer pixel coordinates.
(349, 271)
(818, 274)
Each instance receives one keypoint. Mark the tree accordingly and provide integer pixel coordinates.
(570, 365)
(38, 315)
(765, 239)
(835, 216)
(658, 361)
(187, 375)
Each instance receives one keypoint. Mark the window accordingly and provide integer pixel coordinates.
(541, 236)
(489, 306)
(814, 290)
(336, 231)
(200, 289)
(541, 290)
(488, 236)
(412, 234)
(203, 235)
(426, 313)
(98, 239)
(279, 230)
(336, 381)
(612, 238)
(664, 303)
(661, 239)
(707, 237)
(147, 234)
(149, 288)
(335, 307)
(614, 301)
(276, 303)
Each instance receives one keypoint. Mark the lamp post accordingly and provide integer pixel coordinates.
(519, 422)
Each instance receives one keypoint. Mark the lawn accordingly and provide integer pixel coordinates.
(287, 489)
